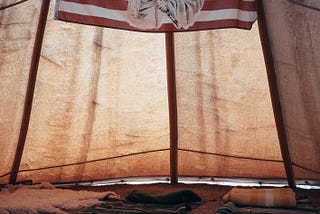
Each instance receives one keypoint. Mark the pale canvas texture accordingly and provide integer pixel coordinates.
(101, 94)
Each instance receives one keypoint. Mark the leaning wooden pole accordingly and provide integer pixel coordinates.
(30, 90)
(274, 93)
(172, 102)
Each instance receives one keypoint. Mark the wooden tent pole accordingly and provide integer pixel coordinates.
(274, 93)
(172, 103)
(30, 89)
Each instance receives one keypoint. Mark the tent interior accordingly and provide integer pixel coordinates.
(100, 105)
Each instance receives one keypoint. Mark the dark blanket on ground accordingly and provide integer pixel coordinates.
(231, 208)
(125, 207)
(148, 202)
(151, 197)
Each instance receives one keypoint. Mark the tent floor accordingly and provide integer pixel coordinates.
(211, 194)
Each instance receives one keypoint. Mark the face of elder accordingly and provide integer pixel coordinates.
(150, 14)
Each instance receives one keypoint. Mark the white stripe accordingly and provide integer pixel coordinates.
(92, 10)
(269, 198)
(242, 15)
(119, 15)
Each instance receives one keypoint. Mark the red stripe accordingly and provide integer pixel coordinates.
(208, 4)
(92, 20)
(110, 4)
(102, 22)
(229, 4)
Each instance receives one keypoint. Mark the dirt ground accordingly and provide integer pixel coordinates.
(210, 194)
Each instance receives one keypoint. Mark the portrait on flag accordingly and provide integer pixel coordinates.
(159, 15)
(149, 14)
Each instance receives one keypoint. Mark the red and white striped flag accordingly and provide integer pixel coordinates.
(159, 15)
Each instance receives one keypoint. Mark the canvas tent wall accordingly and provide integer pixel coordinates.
(100, 106)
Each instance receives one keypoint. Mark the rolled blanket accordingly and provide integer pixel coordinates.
(273, 197)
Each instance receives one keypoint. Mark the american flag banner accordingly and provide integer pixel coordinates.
(159, 15)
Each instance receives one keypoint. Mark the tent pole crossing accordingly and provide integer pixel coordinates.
(172, 103)
(274, 93)
(30, 90)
